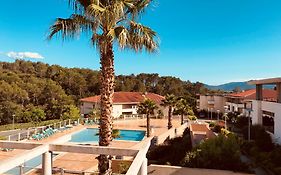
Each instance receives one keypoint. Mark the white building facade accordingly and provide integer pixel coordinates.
(261, 108)
(124, 103)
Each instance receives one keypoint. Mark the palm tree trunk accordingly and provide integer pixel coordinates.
(181, 119)
(106, 99)
(147, 125)
(170, 118)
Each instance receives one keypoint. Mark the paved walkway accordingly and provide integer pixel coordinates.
(257, 170)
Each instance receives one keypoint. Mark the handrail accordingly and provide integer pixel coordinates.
(140, 157)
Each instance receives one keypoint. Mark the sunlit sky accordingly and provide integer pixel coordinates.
(211, 41)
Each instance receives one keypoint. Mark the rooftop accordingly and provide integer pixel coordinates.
(127, 97)
(265, 81)
(268, 94)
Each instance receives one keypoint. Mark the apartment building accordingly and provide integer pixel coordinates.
(123, 102)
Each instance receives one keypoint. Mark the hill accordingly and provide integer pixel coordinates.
(35, 91)
(232, 85)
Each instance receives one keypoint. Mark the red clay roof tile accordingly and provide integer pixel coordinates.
(127, 97)
(268, 94)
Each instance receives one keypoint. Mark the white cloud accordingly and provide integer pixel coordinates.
(23, 55)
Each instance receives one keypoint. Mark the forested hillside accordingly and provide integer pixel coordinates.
(34, 91)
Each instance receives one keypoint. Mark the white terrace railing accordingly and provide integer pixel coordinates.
(138, 166)
(26, 134)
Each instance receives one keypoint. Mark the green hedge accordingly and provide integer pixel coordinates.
(26, 125)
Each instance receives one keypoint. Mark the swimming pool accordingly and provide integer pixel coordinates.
(30, 164)
(90, 135)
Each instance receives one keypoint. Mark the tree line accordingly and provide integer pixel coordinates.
(35, 91)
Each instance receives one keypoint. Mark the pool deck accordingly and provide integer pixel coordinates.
(86, 162)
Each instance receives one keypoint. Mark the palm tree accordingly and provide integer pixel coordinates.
(182, 108)
(107, 22)
(170, 102)
(147, 107)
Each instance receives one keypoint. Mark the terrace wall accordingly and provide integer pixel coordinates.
(176, 170)
(171, 133)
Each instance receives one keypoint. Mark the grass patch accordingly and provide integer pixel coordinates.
(27, 125)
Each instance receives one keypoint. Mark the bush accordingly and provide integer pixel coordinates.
(217, 153)
(190, 117)
(212, 124)
(242, 122)
(217, 128)
(172, 151)
(261, 138)
(70, 112)
(3, 138)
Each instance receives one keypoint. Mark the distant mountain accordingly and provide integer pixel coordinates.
(233, 85)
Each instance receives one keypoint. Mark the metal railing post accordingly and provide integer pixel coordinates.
(19, 136)
(28, 133)
(21, 170)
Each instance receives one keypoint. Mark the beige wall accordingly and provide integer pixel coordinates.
(118, 109)
(86, 107)
(215, 102)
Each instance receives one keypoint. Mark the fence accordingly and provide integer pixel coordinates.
(138, 166)
(26, 134)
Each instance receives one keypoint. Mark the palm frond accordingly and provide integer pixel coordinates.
(135, 7)
(79, 6)
(72, 26)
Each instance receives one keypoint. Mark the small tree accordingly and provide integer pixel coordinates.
(182, 108)
(160, 113)
(147, 107)
(217, 153)
(261, 138)
(170, 102)
(70, 112)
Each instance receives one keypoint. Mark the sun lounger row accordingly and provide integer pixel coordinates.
(45, 133)
(91, 122)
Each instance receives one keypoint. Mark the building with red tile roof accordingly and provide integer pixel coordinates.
(236, 101)
(200, 132)
(123, 102)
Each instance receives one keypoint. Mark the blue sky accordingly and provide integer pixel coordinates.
(214, 42)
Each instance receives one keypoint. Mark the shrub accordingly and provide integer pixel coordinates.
(123, 167)
(70, 112)
(261, 138)
(190, 117)
(242, 122)
(217, 153)
(3, 138)
(116, 133)
(217, 128)
(212, 124)
(172, 151)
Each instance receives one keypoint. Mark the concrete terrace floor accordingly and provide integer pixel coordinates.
(86, 162)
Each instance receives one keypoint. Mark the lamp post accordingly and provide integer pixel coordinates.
(249, 123)
(211, 113)
(225, 115)
(13, 121)
(218, 111)
(208, 113)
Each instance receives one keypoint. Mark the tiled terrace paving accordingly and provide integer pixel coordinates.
(87, 162)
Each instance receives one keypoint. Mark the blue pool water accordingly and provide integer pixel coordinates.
(32, 163)
(90, 135)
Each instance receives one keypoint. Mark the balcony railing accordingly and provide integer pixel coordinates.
(138, 166)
